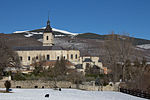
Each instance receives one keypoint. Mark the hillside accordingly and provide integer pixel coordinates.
(13, 40)
(136, 41)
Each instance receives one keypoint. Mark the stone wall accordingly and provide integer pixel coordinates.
(62, 84)
(95, 88)
(38, 84)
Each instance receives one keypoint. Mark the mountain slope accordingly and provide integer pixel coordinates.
(38, 34)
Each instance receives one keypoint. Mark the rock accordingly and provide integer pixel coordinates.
(59, 89)
(47, 95)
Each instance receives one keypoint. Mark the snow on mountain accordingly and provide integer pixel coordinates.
(20, 31)
(144, 46)
(62, 31)
(65, 32)
(31, 33)
(28, 35)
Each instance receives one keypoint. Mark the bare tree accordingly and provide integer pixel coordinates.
(38, 64)
(118, 48)
(137, 74)
(8, 57)
(59, 71)
(76, 78)
(139, 70)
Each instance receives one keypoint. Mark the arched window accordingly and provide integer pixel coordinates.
(46, 37)
(71, 56)
(76, 56)
(47, 57)
(36, 57)
(57, 57)
(21, 58)
(29, 58)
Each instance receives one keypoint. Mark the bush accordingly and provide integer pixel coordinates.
(18, 77)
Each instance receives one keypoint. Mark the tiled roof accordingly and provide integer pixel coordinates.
(30, 48)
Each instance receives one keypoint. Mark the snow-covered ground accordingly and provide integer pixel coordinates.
(65, 94)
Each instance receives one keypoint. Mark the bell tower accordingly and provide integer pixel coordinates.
(48, 35)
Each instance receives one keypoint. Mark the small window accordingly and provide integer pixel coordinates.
(76, 56)
(58, 58)
(20, 58)
(47, 57)
(28, 57)
(71, 56)
(46, 37)
(36, 57)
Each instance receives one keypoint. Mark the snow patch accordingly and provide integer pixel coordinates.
(41, 40)
(59, 35)
(144, 46)
(29, 35)
(20, 31)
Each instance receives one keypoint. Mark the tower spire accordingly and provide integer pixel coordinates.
(48, 15)
(48, 22)
(48, 27)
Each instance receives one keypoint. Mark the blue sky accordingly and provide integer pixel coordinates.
(78, 16)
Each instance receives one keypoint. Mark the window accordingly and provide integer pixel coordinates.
(76, 56)
(71, 56)
(20, 58)
(46, 37)
(47, 57)
(58, 58)
(87, 65)
(36, 57)
(29, 58)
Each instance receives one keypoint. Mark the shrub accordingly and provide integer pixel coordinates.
(19, 76)
(7, 85)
